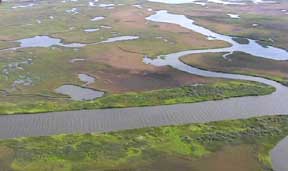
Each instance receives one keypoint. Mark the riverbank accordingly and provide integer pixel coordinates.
(240, 63)
(188, 94)
(240, 144)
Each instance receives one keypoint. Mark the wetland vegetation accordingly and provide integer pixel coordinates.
(187, 94)
(100, 45)
(241, 145)
(29, 76)
(240, 63)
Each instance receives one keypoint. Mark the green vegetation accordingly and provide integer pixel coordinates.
(269, 31)
(148, 148)
(113, 63)
(50, 68)
(271, 23)
(71, 27)
(241, 40)
(241, 63)
(187, 94)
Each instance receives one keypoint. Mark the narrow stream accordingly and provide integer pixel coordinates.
(105, 120)
(252, 48)
(280, 153)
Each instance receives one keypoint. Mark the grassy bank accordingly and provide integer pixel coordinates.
(241, 63)
(188, 147)
(187, 94)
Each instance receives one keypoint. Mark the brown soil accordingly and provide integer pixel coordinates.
(236, 158)
(6, 158)
(124, 71)
(115, 80)
(231, 158)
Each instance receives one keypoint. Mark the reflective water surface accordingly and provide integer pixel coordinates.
(252, 48)
(45, 41)
(129, 118)
(79, 93)
(87, 79)
(120, 38)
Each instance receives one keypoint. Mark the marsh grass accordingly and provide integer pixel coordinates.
(146, 148)
(187, 94)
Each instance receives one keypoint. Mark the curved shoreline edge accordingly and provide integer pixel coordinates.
(106, 120)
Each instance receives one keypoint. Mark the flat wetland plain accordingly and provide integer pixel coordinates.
(107, 42)
(240, 63)
(241, 145)
(31, 75)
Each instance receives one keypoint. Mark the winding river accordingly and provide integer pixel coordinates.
(105, 120)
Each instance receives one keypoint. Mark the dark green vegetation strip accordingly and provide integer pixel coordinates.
(188, 94)
(146, 149)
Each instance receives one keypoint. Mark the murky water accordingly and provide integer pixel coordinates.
(280, 153)
(120, 38)
(252, 48)
(130, 118)
(91, 30)
(79, 93)
(87, 79)
(279, 156)
(45, 41)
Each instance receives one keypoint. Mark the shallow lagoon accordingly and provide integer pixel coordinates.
(87, 79)
(78, 93)
(120, 38)
(45, 41)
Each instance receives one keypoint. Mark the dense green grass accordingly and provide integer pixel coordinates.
(139, 148)
(188, 94)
